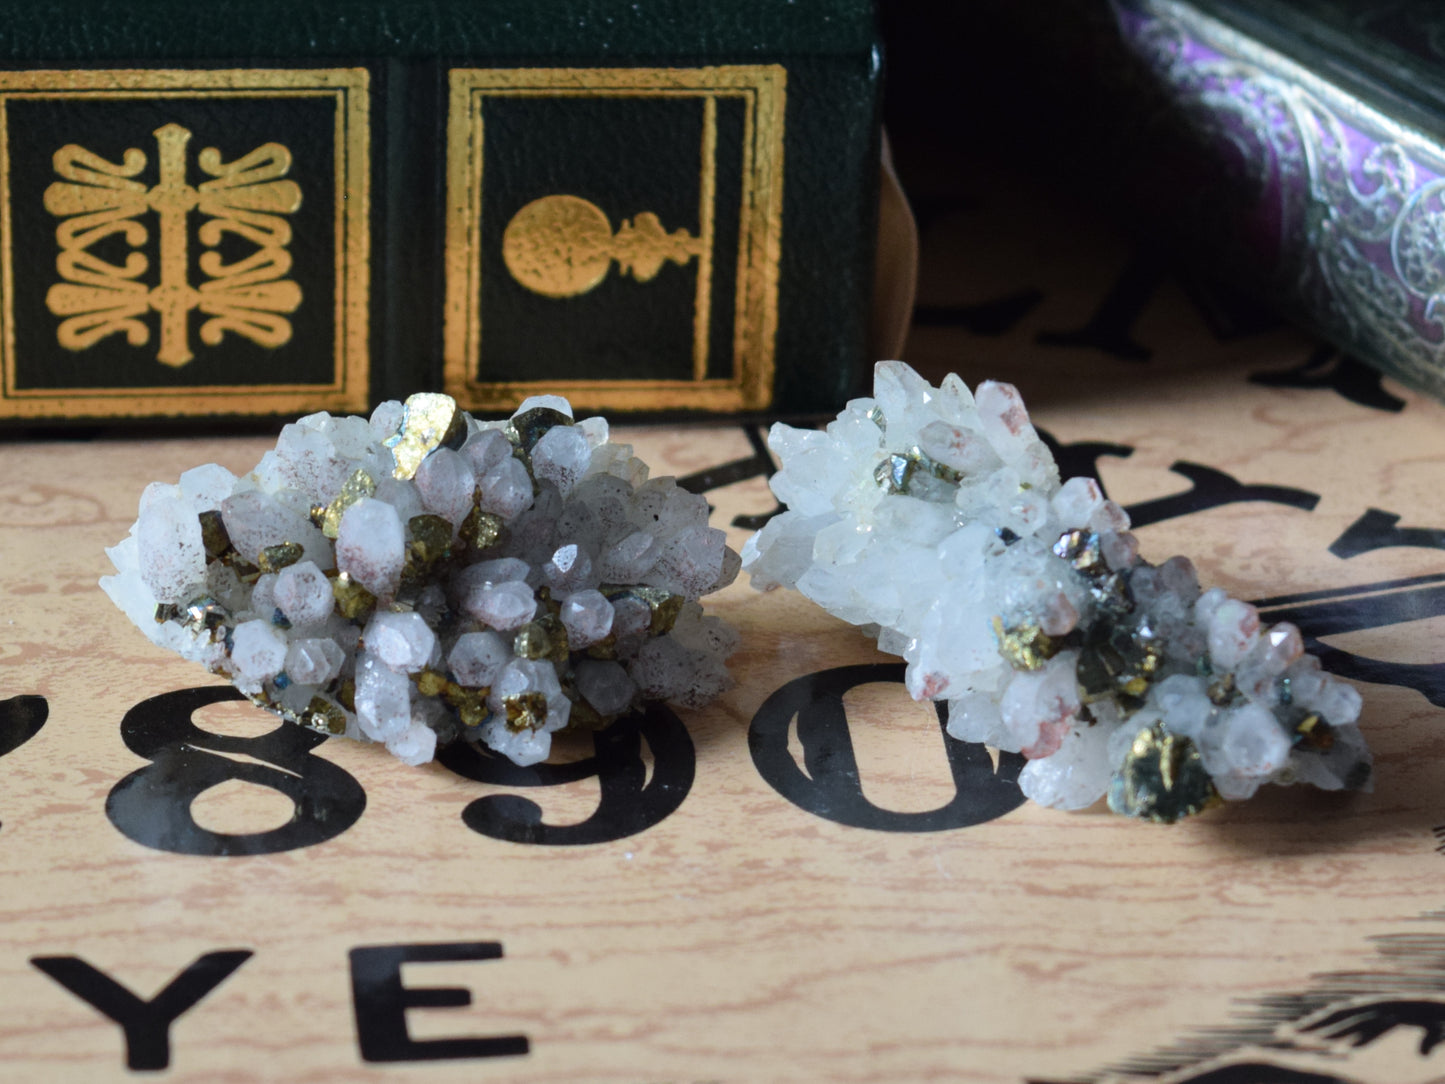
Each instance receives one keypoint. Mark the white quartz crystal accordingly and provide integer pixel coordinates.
(421, 577)
(168, 540)
(587, 616)
(477, 656)
(258, 651)
(303, 594)
(404, 641)
(371, 546)
(562, 457)
(605, 685)
(415, 745)
(383, 699)
(937, 516)
(314, 662)
(446, 484)
(502, 606)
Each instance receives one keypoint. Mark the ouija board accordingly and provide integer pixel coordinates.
(807, 880)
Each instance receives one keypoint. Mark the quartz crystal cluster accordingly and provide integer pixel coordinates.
(421, 577)
(936, 519)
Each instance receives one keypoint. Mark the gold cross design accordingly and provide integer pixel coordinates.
(245, 197)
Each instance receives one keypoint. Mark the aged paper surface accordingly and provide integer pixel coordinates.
(750, 893)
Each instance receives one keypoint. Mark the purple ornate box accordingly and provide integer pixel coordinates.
(1305, 145)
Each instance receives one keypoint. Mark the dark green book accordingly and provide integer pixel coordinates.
(273, 208)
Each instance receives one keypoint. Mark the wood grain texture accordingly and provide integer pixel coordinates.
(744, 938)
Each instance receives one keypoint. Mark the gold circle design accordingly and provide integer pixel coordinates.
(558, 246)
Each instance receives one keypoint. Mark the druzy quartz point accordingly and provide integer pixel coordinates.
(422, 577)
(935, 518)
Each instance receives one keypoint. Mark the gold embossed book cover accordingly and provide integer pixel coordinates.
(324, 209)
(184, 242)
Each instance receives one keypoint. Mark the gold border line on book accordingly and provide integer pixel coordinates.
(349, 388)
(766, 206)
(707, 195)
(656, 395)
(762, 88)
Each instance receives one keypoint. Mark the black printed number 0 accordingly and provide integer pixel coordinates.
(153, 805)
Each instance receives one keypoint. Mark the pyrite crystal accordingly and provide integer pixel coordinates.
(422, 577)
(936, 516)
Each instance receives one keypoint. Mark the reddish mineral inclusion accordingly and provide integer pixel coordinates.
(938, 518)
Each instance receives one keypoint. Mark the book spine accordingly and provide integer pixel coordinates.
(1321, 195)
